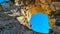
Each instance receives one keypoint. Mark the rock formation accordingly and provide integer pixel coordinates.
(16, 14)
(9, 24)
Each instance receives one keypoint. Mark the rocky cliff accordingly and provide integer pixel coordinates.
(15, 15)
(9, 23)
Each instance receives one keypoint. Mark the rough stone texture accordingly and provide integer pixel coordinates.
(11, 13)
(9, 23)
(45, 6)
(13, 27)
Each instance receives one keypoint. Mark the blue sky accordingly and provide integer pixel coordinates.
(40, 22)
(3, 0)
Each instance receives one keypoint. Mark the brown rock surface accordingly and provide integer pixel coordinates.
(13, 12)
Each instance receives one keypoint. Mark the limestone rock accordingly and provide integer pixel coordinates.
(9, 24)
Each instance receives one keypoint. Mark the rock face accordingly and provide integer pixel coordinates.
(44, 6)
(9, 23)
(13, 27)
(15, 15)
